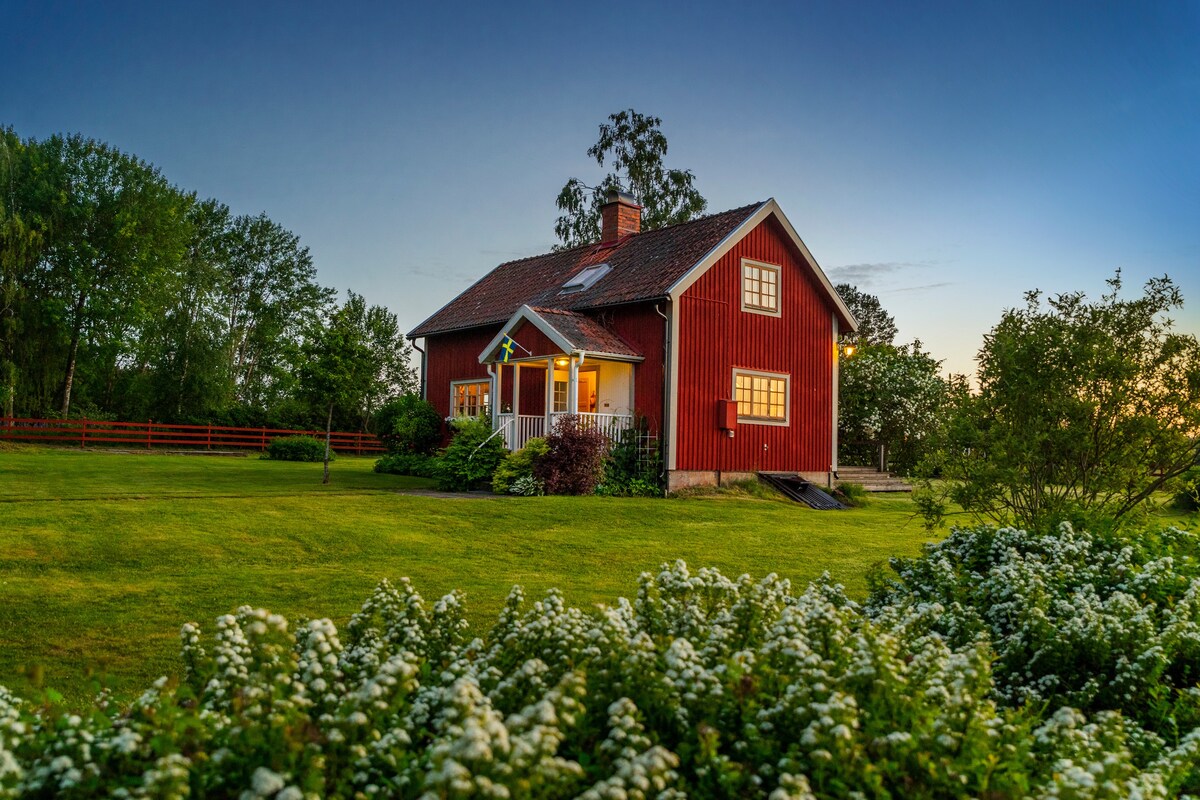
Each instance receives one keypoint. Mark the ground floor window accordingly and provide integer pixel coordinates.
(761, 397)
(469, 398)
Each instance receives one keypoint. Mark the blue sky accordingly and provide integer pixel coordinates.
(944, 156)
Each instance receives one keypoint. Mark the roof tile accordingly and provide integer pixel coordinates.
(586, 333)
(644, 267)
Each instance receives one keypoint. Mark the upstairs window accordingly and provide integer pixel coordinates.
(469, 398)
(762, 397)
(760, 287)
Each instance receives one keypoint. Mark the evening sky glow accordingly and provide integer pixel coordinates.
(946, 157)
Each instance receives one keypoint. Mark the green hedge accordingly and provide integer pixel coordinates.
(297, 448)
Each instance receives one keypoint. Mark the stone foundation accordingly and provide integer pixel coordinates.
(685, 479)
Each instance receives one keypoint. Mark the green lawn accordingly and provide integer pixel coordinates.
(104, 555)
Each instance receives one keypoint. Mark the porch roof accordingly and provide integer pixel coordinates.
(569, 330)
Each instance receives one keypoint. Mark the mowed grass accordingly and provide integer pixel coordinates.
(104, 555)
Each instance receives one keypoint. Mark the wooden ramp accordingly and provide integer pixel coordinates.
(801, 491)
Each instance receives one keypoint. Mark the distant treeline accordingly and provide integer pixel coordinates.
(123, 296)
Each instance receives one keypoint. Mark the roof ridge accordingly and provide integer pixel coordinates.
(746, 207)
(629, 237)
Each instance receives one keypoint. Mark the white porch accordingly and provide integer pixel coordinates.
(582, 369)
(520, 428)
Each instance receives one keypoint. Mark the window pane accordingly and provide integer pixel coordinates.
(761, 396)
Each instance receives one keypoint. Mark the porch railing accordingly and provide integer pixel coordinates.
(518, 429)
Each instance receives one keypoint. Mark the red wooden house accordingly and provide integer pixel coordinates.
(720, 332)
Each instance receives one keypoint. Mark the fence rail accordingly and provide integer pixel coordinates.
(150, 434)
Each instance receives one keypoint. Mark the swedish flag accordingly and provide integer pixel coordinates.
(507, 348)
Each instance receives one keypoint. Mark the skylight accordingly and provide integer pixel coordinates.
(585, 279)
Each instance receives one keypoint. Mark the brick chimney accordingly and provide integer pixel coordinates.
(620, 215)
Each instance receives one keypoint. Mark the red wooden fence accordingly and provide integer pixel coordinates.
(84, 432)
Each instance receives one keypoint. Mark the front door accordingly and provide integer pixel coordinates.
(587, 392)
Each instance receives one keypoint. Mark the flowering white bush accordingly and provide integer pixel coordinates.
(703, 686)
(1094, 622)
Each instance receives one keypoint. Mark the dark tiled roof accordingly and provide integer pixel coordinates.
(585, 333)
(644, 266)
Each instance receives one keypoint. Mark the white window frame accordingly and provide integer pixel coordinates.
(753, 308)
(483, 409)
(750, 419)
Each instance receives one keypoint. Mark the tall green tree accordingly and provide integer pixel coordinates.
(338, 370)
(116, 227)
(270, 297)
(21, 241)
(1085, 409)
(890, 400)
(875, 325)
(634, 147)
(391, 354)
(181, 350)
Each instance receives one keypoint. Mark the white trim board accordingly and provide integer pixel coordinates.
(528, 314)
(768, 209)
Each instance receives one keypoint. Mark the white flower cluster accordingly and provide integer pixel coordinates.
(703, 686)
(1073, 619)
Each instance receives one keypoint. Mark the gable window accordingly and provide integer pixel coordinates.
(469, 398)
(760, 287)
(762, 397)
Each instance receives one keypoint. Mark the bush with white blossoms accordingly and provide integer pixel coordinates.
(1099, 623)
(703, 686)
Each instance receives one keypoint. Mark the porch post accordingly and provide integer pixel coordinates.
(549, 393)
(573, 386)
(516, 390)
(496, 395)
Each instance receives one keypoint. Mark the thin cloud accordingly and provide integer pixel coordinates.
(867, 274)
(439, 274)
(921, 288)
(512, 255)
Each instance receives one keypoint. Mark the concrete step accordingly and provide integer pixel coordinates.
(873, 480)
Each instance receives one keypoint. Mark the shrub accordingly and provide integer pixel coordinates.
(1100, 623)
(297, 448)
(701, 687)
(472, 456)
(1188, 496)
(527, 486)
(517, 466)
(409, 424)
(418, 464)
(574, 460)
(633, 465)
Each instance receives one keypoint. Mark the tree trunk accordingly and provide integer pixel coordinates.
(328, 428)
(69, 379)
(76, 332)
(10, 387)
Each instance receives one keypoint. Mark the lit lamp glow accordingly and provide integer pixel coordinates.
(848, 350)
(562, 362)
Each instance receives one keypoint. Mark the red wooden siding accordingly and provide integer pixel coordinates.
(641, 326)
(715, 336)
(534, 341)
(454, 357)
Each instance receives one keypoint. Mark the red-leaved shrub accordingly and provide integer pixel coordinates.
(574, 464)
